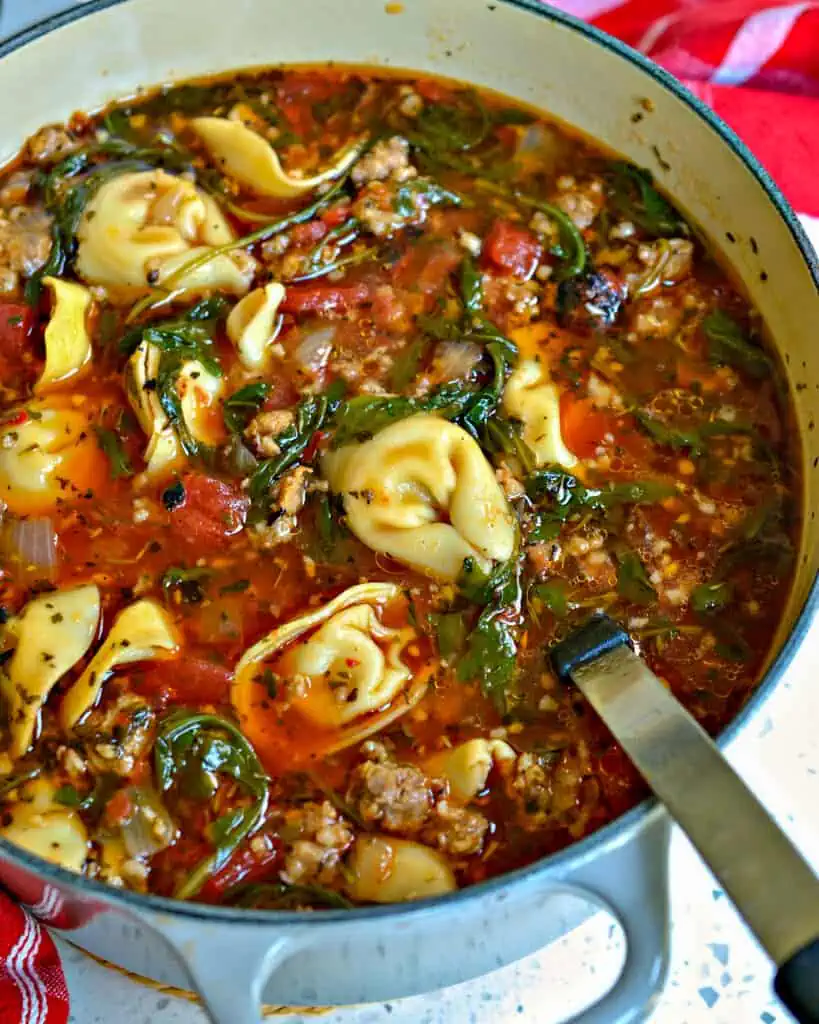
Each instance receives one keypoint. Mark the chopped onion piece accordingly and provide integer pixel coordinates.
(32, 545)
(315, 348)
(148, 827)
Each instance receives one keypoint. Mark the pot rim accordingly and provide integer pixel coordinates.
(616, 832)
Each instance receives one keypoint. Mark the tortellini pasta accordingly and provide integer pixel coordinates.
(422, 492)
(252, 323)
(52, 632)
(48, 454)
(140, 632)
(140, 228)
(349, 667)
(199, 392)
(382, 869)
(466, 767)
(46, 828)
(250, 159)
(67, 341)
(531, 397)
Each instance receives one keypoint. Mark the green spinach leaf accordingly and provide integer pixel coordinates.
(727, 343)
(632, 582)
(191, 750)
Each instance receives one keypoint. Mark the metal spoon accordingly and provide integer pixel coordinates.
(768, 881)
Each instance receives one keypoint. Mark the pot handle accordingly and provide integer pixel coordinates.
(227, 970)
(631, 882)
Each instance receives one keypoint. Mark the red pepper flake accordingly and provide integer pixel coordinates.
(352, 662)
(17, 420)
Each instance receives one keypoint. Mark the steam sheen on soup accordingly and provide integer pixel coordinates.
(330, 402)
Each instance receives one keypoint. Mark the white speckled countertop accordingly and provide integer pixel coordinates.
(718, 975)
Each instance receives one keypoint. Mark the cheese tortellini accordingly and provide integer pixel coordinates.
(67, 341)
(250, 159)
(141, 632)
(348, 665)
(199, 392)
(252, 324)
(466, 767)
(52, 632)
(382, 869)
(48, 454)
(140, 228)
(422, 492)
(531, 397)
(44, 827)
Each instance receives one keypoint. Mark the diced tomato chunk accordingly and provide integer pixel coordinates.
(119, 808)
(582, 425)
(185, 679)
(282, 395)
(246, 864)
(312, 231)
(325, 298)
(336, 214)
(512, 248)
(16, 324)
(210, 511)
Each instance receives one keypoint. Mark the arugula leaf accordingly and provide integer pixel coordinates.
(407, 363)
(243, 405)
(692, 438)
(68, 796)
(310, 415)
(632, 582)
(409, 192)
(190, 336)
(492, 648)
(711, 597)
(634, 197)
(111, 445)
(191, 750)
(190, 583)
(553, 595)
(66, 203)
(568, 495)
(450, 632)
(727, 343)
(459, 126)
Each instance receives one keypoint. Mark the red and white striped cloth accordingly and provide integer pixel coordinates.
(757, 64)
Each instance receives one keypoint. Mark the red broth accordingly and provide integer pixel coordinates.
(579, 408)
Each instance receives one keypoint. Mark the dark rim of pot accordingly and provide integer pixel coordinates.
(615, 832)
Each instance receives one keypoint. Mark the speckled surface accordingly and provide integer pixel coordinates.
(718, 973)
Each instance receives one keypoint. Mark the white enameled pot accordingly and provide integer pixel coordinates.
(235, 959)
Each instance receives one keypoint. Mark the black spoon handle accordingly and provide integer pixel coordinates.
(767, 879)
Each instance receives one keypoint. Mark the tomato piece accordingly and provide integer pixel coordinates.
(312, 231)
(325, 298)
(582, 426)
(336, 214)
(245, 865)
(210, 511)
(119, 808)
(188, 679)
(512, 248)
(282, 395)
(16, 327)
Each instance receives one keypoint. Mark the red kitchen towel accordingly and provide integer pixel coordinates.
(756, 62)
(757, 65)
(32, 984)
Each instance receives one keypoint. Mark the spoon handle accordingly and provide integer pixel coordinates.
(771, 885)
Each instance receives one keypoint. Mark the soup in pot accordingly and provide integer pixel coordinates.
(329, 402)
